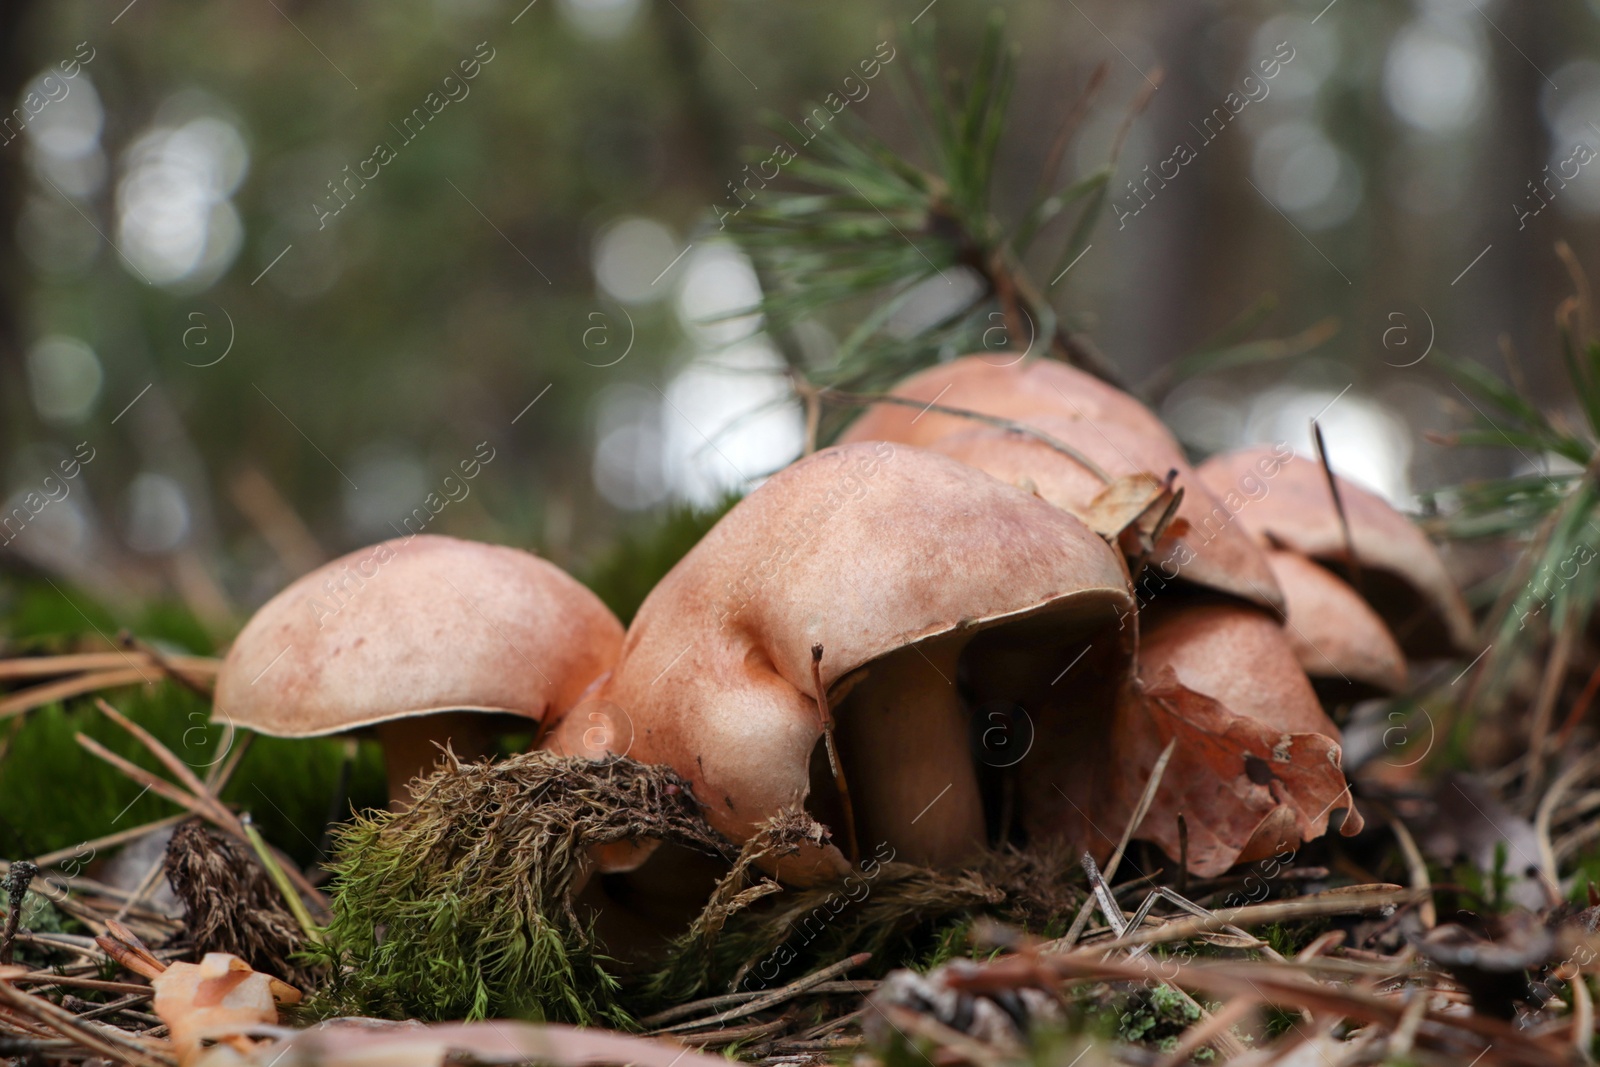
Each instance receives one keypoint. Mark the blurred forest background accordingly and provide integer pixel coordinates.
(262, 362)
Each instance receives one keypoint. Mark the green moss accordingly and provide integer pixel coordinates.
(1157, 1016)
(459, 908)
(287, 786)
(44, 616)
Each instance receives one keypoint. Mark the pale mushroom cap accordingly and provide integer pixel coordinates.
(1333, 632)
(1209, 549)
(1284, 500)
(1006, 385)
(863, 549)
(1236, 655)
(415, 626)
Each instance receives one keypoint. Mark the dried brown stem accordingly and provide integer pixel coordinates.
(834, 763)
(867, 399)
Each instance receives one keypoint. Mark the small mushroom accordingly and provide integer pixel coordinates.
(1340, 641)
(1284, 500)
(870, 569)
(1236, 655)
(1203, 547)
(1253, 766)
(1256, 768)
(1005, 385)
(418, 637)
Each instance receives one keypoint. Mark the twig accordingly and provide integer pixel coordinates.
(18, 877)
(142, 890)
(1555, 676)
(1405, 1035)
(1098, 894)
(854, 986)
(1582, 1016)
(1140, 810)
(79, 662)
(275, 870)
(50, 978)
(168, 665)
(776, 997)
(1552, 799)
(222, 772)
(1338, 505)
(121, 837)
(180, 770)
(722, 1038)
(158, 785)
(826, 713)
(124, 947)
(1579, 708)
(105, 1040)
(50, 692)
(1322, 904)
(1069, 126)
(868, 399)
(1417, 868)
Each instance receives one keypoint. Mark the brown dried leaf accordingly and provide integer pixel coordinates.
(1125, 502)
(1248, 789)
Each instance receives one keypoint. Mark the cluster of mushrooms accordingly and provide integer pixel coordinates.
(944, 635)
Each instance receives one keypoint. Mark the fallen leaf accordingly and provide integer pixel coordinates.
(218, 999)
(1124, 502)
(1248, 789)
(375, 1043)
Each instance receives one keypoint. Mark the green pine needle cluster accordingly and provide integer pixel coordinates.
(1553, 588)
(877, 230)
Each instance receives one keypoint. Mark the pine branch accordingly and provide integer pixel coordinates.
(876, 236)
(1553, 589)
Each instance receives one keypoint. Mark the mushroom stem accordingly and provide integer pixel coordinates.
(903, 731)
(411, 746)
(852, 843)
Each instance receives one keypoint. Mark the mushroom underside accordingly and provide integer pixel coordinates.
(935, 739)
(413, 744)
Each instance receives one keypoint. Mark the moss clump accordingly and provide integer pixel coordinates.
(898, 912)
(229, 901)
(460, 907)
(1159, 1016)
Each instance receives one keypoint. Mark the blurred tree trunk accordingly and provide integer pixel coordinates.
(1193, 225)
(705, 116)
(16, 67)
(1516, 291)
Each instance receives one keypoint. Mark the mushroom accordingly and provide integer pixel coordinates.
(1236, 655)
(1256, 768)
(418, 637)
(1203, 547)
(1336, 637)
(855, 580)
(1285, 501)
(1004, 385)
